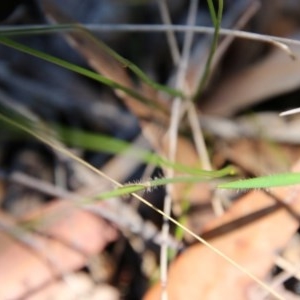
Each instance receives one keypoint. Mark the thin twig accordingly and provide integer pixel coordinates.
(290, 270)
(44, 29)
(172, 136)
(38, 185)
(130, 219)
(198, 137)
(165, 15)
(290, 112)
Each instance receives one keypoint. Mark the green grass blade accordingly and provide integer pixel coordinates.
(283, 179)
(77, 27)
(25, 30)
(212, 12)
(149, 185)
(104, 143)
(217, 24)
(121, 191)
(97, 142)
(77, 69)
(131, 66)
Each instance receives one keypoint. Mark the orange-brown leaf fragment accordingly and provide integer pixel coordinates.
(251, 242)
(75, 235)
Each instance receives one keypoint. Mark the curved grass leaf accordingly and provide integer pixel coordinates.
(130, 65)
(77, 27)
(97, 142)
(283, 179)
(77, 69)
(217, 19)
(24, 30)
(100, 142)
(149, 185)
(212, 12)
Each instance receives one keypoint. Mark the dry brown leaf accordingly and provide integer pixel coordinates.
(75, 235)
(275, 74)
(201, 274)
(259, 157)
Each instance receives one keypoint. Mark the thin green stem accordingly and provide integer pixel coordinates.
(77, 69)
(212, 12)
(212, 51)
